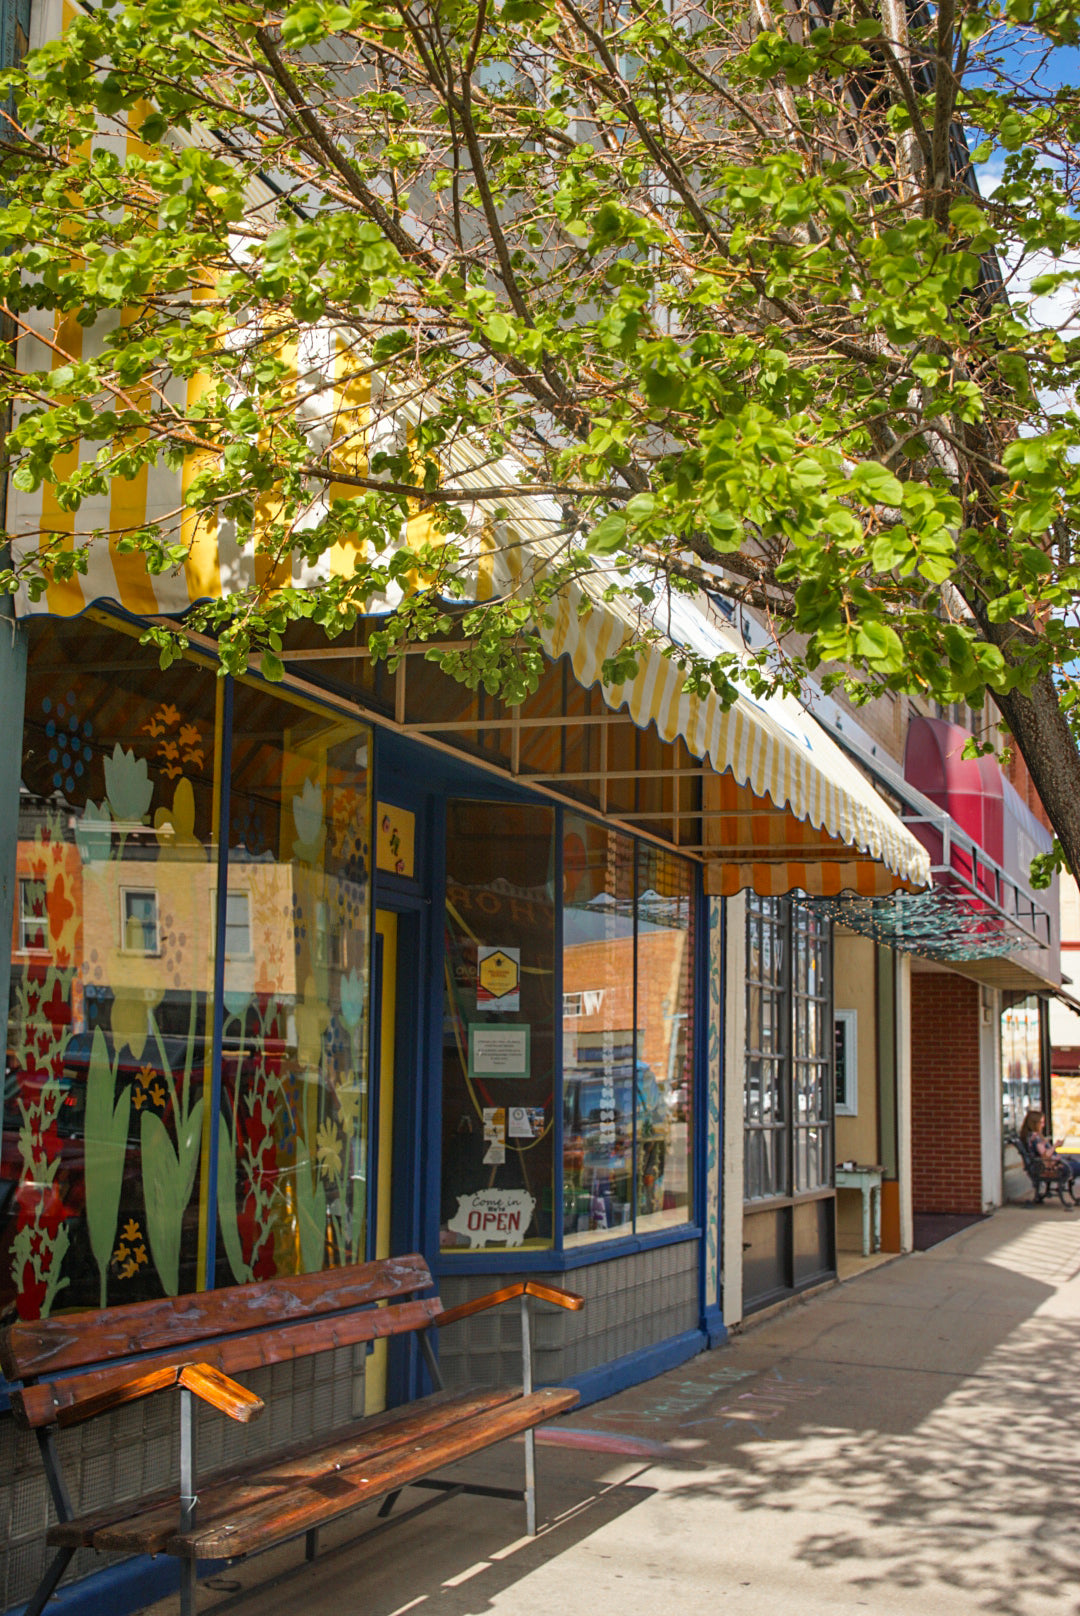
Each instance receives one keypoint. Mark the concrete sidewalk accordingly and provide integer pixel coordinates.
(907, 1441)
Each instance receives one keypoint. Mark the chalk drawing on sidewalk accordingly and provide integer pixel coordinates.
(765, 1402)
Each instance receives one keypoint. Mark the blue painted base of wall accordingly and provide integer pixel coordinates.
(714, 1327)
(609, 1378)
(121, 1589)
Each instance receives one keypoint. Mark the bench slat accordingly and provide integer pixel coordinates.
(146, 1527)
(299, 1508)
(74, 1340)
(57, 1401)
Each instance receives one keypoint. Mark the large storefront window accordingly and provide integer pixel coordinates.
(113, 1055)
(599, 1039)
(295, 1101)
(665, 996)
(788, 1076)
(626, 1014)
(499, 1027)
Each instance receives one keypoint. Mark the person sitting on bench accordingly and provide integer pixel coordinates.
(1031, 1135)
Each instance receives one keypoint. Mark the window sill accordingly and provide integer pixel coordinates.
(773, 1203)
(515, 1260)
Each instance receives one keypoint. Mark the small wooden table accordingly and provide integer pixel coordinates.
(868, 1181)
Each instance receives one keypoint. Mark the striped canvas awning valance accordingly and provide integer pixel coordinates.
(782, 807)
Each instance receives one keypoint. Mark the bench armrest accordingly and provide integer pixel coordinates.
(221, 1392)
(206, 1382)
(522, 1287)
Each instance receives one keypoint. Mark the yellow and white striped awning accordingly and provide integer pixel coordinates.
(783, 808)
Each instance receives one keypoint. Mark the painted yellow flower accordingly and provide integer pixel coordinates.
(131, 1230)
(157, 1094)
(138, 1098)
(328, 1148)
(349, 1104)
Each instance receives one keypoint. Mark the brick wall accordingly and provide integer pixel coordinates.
(946, 1141)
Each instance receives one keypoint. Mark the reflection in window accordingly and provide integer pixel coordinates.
(294, 1121)
(112, 973)
(110, 1033)
(237, 926)
(598, 1032)
(498, 1027)
(628, 1039)
(665, 912)
(139, 921)
(31, 936)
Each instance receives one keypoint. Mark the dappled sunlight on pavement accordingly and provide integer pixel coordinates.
(901, 1443)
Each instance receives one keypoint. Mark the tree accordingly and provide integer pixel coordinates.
(706, 294)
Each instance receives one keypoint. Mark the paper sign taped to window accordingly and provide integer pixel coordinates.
(498, 1051)
(498, 979)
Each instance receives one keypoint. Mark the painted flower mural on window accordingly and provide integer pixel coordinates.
(107, 1111)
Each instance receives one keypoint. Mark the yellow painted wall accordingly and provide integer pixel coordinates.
(856, 1137)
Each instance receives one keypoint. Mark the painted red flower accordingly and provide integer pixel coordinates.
(61, 907)
(31, 1294)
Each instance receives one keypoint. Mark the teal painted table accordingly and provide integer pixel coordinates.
(868, 1181)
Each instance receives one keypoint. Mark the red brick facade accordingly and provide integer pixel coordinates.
(946, 1135)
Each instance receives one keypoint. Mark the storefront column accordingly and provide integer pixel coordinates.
(734, 1064)
(990, 1084)
(13, 693)
(712, 1311)
(902, 968)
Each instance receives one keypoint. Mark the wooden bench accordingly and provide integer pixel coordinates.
(77, 1366)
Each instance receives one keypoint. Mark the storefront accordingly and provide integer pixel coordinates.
(359, 963)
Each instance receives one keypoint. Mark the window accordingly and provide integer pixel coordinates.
(33, 920)
(623, 1020)
(628, 1035)
(138, 921)
(845, 1057)
(788, 1097)
(500, 1011)
(767, 1050)
(237, 926)
(111, 1027)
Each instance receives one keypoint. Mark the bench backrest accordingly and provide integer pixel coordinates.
(93, 1355)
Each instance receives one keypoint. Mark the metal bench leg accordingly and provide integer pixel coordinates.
(530, 1437)
(189, 1568)
(189, 1583)
(54, 1476)
(47, 1586)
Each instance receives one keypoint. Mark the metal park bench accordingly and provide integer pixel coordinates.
(1047, 1176)
(75, 1367)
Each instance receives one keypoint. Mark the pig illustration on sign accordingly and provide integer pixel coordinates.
(496, 1217)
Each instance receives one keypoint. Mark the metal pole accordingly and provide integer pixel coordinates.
(189, 1566)
(530, 1435)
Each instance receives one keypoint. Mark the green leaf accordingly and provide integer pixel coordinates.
(875, 483)
(607, 536)
(104, 1154)
(163, 1200)
(226, 1204)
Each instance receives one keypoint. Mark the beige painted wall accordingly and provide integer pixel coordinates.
(856, 1137)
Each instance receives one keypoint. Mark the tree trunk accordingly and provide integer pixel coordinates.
(1048, 747)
